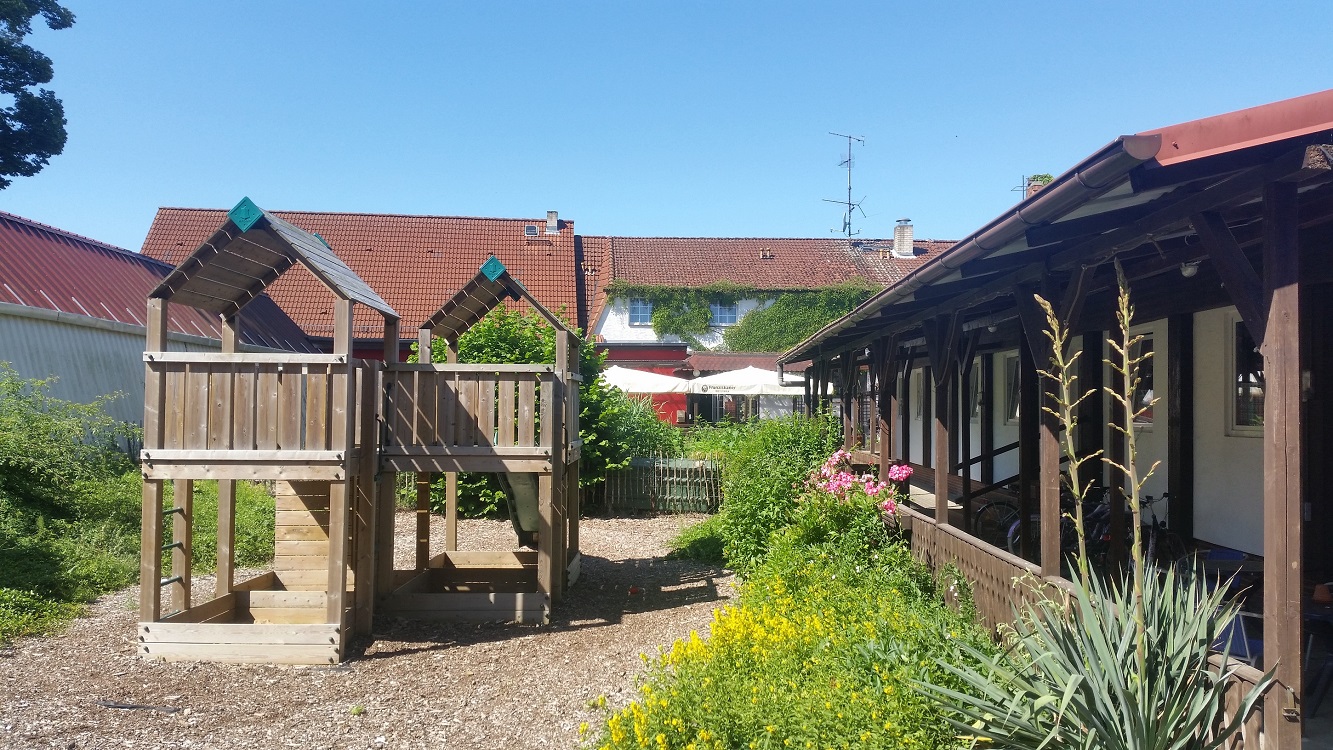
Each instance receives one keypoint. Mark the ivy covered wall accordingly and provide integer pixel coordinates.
(784, 317)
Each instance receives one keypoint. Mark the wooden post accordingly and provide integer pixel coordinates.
(340, 490)
(941, 336)
(1029, 455)
(987, 396)
(226, 544)
(1284, 453)
(1180, 423)
(150, 552)
(965, 435)
(942, 388)
(365, 525)
(182, 541)
(1047, 427)
(846, 397)
(573, 498)
(386, 499)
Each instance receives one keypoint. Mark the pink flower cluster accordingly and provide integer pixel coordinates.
(900, 473)
(836, 478)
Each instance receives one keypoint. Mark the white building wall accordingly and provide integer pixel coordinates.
(614, 326)
(90, 357)
(1228, 469)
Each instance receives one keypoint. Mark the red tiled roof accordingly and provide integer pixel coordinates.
(763, 263)
(49, 268)
(727, 361)
(414, 262)
(596, 274)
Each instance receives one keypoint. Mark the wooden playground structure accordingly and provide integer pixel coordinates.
(331, 432)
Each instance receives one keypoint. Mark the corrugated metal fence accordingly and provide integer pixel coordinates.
(661, 485)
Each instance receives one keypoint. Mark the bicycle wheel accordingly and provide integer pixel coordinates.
(992, 521)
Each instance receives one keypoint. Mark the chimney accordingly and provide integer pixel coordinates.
(1034, 186)
(552, 222)
(902, 240)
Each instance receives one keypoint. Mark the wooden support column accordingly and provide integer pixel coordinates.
(365, 524)
(1029, 456)
(1284, 452)
(987, 418)
(1092, 412)
(847, 397)
(1047, 429)
(226, 538)
(340, 490)
(150, 552)
(386, 500)
(941, 337)
(451, 479)
(967, 354)
(1180, 423)
(886, 396)
(182, 542)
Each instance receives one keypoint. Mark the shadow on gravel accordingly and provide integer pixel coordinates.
(606, 591)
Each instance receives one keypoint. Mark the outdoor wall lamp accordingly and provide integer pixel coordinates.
(1188, 270)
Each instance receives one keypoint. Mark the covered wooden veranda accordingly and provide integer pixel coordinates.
(1224, 228)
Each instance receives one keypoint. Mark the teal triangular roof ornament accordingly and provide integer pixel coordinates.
(321, 239)
(492, 268)
(245, 214)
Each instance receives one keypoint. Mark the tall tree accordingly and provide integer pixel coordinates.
(32, 127)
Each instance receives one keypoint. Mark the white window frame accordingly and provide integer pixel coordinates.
(974, 392)
(1229, 384)
(716, 307)
(641, 303)
(1014, 393)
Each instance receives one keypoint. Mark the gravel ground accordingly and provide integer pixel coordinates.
(417, 685)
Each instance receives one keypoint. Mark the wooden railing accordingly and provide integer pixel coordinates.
(249, 408)
(473, 413)
(1244, 679)
(1000, 581)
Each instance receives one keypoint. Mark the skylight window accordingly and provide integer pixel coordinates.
(530, 230)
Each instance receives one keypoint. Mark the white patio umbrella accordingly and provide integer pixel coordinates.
(640, 381)
(750, 381)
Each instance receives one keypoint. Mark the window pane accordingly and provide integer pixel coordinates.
(1011, 389)
(723, 315)
(974, 391)
(1249, 381)
(640, 312)
(1143, 394)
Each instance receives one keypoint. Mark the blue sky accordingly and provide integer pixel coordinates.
(632, 118)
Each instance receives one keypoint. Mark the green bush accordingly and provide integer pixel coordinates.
(70, 509)
(763, 472)
(831, 632)
(701, 542)
(254, 525)
(633, 425)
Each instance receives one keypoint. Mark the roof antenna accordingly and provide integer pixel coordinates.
(848, 204)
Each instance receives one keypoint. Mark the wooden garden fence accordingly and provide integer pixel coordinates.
(660, 485)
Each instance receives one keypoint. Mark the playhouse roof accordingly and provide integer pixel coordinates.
(486, 291)
(248, 253)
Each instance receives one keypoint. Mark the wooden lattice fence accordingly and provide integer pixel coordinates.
(661, 485)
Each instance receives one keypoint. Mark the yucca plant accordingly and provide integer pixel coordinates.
(1119, 663)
